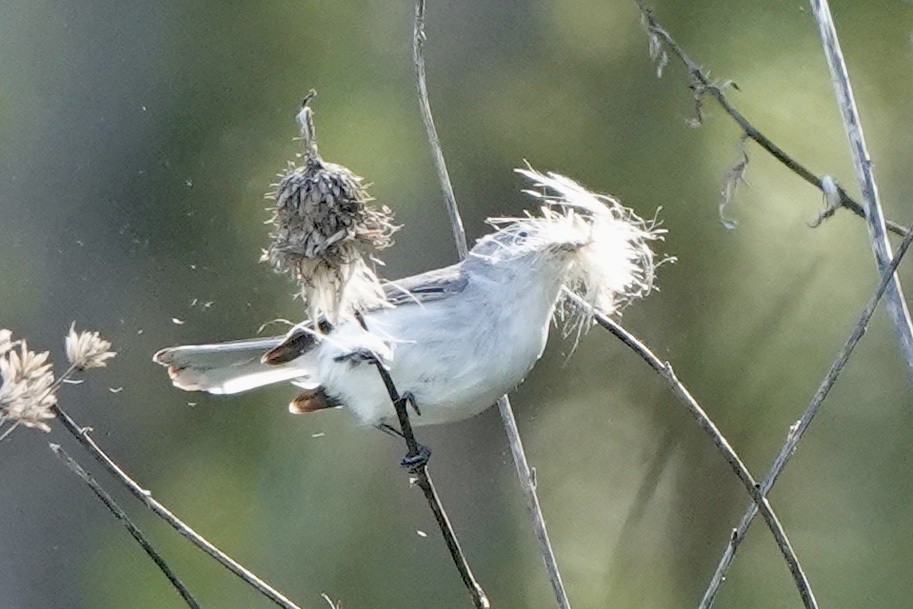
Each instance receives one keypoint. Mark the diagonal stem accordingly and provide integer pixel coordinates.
(524, 472)
(423, 479)
(797, 431)
(664, 369)
(82, 436)
(119, 513)
(702, 80)
(840, 78)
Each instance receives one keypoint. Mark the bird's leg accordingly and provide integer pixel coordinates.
(416, 461)
(418, 454)
(389, 430)
(358, 356)
(411, 461)
(417, 457)
(409, 400)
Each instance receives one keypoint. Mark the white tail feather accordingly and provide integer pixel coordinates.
(231, 367)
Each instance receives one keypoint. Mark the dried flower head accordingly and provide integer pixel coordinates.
(324, 229)
(611, 262)
(26, 395)
(87, 349)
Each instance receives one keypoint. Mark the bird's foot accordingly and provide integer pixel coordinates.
(408, 399)
(417, 460)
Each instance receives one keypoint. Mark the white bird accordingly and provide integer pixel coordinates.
(455, 339)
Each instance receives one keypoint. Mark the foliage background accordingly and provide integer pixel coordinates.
(137, 140)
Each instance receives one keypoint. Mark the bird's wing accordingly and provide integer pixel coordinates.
(418, 289)
(426, 287)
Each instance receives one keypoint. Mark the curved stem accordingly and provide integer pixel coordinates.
(796, 432)
(719, 440)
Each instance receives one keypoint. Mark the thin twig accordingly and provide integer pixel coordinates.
(9, 430)
(418, 57)
(524, 472)
(703, 84)
(423, 480)
(840, 78)
(719, 440)
(115, 509)
(798, 430)
(82, 436)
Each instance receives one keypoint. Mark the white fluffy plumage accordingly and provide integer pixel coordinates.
(463, 335)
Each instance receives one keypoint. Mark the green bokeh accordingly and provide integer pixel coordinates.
(138, 140)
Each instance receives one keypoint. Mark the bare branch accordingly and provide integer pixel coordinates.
(664, 369)
(527, 484)
(83, 437)
(894, 299)
(703, 85)
(115, 509)
(418, 56)
(417, 461)
(798, 430)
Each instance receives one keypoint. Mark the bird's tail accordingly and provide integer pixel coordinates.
(232, 367)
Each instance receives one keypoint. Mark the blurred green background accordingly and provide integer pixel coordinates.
(137, 140)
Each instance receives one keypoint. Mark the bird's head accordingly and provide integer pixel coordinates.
(589, 243)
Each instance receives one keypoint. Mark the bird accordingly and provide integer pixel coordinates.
(452, 339)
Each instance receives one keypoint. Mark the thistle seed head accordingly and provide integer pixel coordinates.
(324, 232)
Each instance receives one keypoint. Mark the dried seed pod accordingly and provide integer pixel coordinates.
(324, 232)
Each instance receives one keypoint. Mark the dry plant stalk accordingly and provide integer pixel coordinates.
(509, 421)
(798, 430)
(324, 231)
(660, 39)
(28, 397)
(865, 176)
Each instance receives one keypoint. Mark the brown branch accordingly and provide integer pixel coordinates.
(799, 429)
(416, 460)
(524, 472)
(881, 247)
(115, 509)
(664, 369)
(703, 85)
(82, 436)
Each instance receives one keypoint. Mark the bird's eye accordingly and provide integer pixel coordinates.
(522, 234)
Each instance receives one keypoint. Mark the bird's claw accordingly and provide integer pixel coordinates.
(407, 398)
(417, 460)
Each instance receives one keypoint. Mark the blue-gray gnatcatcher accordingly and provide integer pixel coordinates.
(455, 338)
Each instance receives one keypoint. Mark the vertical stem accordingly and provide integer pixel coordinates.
(507, 415)
(418, 56)
(897, 308)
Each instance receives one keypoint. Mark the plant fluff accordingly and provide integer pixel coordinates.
(323, 231)
(613, 262)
